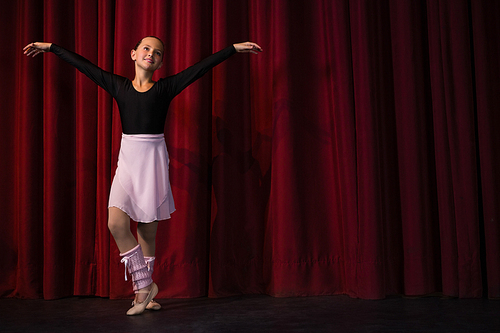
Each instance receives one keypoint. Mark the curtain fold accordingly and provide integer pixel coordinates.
(486, 69)
(86, 99)
(454, 139)
(356, 155)
(416, 161)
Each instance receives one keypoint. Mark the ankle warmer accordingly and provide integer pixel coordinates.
(137, 268)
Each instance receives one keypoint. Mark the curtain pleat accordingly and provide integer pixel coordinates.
(415, 149)
(486, 69)
(358, 154)
(454, 137)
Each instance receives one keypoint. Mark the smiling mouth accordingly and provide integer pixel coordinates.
(149, 60)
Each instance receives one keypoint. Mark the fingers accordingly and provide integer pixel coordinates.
(28, 46)
(255, 47)
(252, 47)
(32, 49)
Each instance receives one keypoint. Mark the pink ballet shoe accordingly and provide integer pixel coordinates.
(138, 308)
(153, 305)
(150, 262)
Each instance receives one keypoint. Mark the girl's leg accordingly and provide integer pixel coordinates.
(146, 235)
(119, 226)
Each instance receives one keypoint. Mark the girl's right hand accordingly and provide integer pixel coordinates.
(34, 49)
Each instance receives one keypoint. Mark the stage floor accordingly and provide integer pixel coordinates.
(254, 313)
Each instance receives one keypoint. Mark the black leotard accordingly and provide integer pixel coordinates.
(142, 112)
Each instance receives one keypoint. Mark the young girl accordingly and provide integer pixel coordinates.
(141, 187)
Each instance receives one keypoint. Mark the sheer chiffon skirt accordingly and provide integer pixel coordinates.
(141, 186)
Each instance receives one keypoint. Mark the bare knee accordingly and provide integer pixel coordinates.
(118, 222)
(115, 227)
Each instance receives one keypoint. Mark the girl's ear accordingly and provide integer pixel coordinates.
(133, 55)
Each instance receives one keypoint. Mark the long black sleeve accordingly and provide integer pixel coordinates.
(191, 74)
(104, 79)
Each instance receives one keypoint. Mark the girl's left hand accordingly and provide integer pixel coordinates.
(247, 47)
(34, 49)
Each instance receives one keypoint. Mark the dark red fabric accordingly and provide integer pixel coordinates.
(358, 154)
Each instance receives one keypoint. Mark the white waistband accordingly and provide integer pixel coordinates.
(143, 137)
(161, 135)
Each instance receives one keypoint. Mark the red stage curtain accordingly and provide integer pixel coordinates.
(359, 154)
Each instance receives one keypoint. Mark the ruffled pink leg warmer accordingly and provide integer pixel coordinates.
(137, 268)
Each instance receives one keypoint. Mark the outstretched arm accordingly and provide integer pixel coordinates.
(104, 79)
(191, 74)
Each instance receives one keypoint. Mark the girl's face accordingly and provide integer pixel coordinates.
(149, 54)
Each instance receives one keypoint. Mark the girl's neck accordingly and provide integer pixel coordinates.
(143, 80)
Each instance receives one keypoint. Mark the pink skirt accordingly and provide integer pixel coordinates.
(141, 186)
